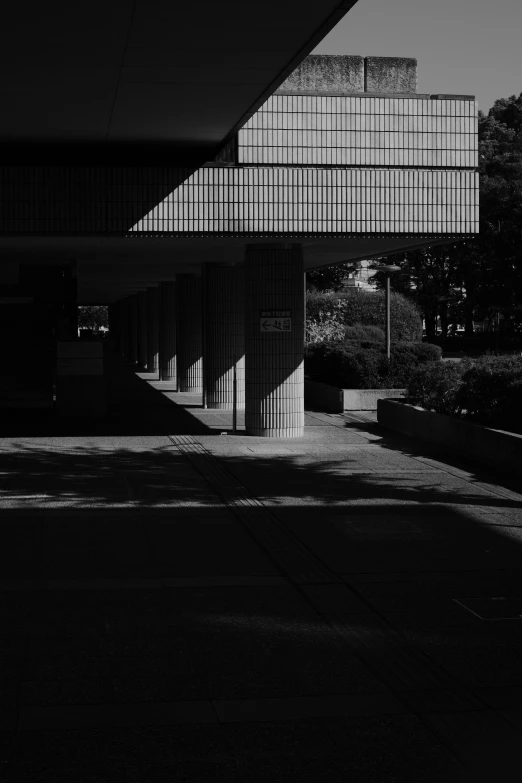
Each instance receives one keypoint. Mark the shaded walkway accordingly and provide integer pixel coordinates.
(176, 604)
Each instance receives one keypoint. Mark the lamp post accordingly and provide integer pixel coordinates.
(388, 270)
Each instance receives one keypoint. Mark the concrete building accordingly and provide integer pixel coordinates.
(194, 220)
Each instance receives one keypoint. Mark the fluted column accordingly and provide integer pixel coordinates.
(167, 332)
(114, 325)
(274, 340)
(133, 328)
(124, 327)
(223, 336)
(142, 328)
(189, 333)
(152, 330)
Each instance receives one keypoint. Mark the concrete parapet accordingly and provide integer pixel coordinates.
(390, 74)
(333, 73)
(326, 73)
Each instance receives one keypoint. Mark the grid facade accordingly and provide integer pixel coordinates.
(71, 200)
(245, 200)
(342, 130)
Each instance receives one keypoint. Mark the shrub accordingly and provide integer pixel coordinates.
(324, 317)
(327, 314)
(367, 336)
(352, 365)
(405, 358)
(490, 391)
(487, 391)
(369, 308)
(435, 386)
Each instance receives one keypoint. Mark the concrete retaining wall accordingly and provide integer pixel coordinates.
(366, 399)
(330, 399)
(495, 448)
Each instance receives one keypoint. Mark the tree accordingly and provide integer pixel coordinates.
(328, 278)
(480, 276)
(93, 317)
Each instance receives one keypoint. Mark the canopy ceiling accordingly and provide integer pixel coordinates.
(142, 73)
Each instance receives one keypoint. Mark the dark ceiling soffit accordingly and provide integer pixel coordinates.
(396, 250)
(322, 31)
(187, 155)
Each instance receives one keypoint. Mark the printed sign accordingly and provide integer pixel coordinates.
(275, 321)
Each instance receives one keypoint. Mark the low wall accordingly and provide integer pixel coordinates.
(327, 398)
(367, 399)
(494, 448)
(331, 399)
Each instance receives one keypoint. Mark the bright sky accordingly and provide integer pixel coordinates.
(469, 47)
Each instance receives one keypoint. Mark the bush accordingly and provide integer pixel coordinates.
(367, 336)
(436, 386)
(405, 358)
(490, 390)
(486, 390)
(327, 314)
(369, 309)
(351, 365)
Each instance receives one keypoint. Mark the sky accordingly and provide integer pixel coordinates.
(466, 47)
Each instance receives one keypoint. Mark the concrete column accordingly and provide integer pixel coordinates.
(167, 332)
(189, 333)
(142, 328)
(152, 330)
(223, 335)
(124, 328)
(114, 331)
(274, 340)
(133, 328)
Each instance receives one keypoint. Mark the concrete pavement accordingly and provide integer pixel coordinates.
(178, 604)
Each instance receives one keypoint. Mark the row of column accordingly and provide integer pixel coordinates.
(234, 331)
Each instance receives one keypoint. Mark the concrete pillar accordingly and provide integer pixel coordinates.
(167, 332)
(189, 333)
(152, 329)
(142, 328)
(223, 335)
(133, 328)
(274, 340)
(112, 310)
(124, 328)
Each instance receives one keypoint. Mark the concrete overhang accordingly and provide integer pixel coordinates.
(128, 80)
(111, 268)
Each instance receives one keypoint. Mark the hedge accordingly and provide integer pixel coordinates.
(487, 391)
(361, 365)
(327, 314)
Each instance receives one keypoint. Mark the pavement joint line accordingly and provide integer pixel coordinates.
(282, 546)
(407, 669)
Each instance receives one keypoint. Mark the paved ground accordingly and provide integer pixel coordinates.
(182, 605)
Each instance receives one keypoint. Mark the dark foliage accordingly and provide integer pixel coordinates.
(363, 365)
(364, 308)
(93, 316)
(487, 390)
